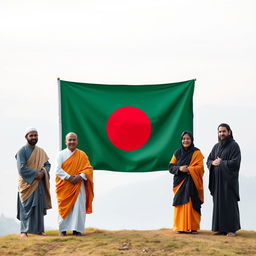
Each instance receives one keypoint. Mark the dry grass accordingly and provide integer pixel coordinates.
(130, 243)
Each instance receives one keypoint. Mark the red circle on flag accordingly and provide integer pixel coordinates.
(128, 128)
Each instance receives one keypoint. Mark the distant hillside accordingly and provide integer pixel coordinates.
(162, 242)
(8, 226)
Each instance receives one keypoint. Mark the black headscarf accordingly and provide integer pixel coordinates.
(184, 155)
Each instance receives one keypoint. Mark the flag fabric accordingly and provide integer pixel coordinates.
(127, 128)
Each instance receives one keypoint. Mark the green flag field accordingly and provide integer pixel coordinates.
(127, 128)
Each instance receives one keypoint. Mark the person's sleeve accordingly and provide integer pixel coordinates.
(173, 168)
(210, 158)
(25, 172)
(235, 158)
(59, 171)
(47, 167)
(83, 175)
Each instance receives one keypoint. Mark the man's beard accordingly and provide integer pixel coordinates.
(224, 140)
(32, 142)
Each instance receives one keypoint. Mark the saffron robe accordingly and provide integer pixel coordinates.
(188, 193)
(224, 186)
(71, 196)
(33, 195)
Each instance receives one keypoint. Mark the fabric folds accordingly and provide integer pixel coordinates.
(188, 190)
(67, 192)
(36, 162)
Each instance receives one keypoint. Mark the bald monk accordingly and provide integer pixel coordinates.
(74, 187)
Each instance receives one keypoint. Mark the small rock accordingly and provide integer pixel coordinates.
(124, 247)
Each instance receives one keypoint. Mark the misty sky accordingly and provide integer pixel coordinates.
(125, 42)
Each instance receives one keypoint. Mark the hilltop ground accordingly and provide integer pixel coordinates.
(130, 243)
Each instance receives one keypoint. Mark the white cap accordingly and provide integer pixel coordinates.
(30, 129)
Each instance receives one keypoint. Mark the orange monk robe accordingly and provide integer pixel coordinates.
(185, 217)
(67, 192)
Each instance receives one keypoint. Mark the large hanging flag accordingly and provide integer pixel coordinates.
(127, 128)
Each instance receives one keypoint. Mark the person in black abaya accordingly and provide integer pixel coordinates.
(224, 164)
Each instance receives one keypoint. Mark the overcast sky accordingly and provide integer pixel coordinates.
(125, 42)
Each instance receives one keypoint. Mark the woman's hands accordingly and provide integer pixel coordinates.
(184, 168)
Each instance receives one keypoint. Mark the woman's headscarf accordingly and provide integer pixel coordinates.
(184, 155)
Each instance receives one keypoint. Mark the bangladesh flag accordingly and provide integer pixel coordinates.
(127, 128)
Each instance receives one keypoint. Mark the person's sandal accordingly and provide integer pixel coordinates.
(63, 233)
(231, 234)
(194, 232)
(179, 232)
(218, 233)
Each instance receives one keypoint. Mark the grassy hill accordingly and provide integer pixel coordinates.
(130, 243)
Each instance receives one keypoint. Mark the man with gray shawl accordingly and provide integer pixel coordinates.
(33, 185)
